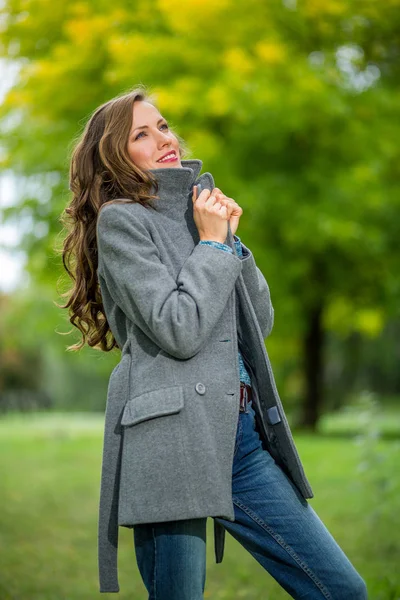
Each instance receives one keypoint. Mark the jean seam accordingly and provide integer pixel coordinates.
(285, 546)
(239, 437)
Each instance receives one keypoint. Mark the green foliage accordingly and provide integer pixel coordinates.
(292, 107)
(36, 372)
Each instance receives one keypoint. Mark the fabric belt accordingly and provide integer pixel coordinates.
(245, 395)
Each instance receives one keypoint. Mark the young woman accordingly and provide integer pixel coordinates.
(194, 426)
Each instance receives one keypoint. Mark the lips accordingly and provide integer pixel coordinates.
(171, 154)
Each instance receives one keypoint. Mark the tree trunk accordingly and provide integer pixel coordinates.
(313, 367)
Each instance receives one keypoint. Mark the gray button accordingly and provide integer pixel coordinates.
(273, 415)
(200, 388)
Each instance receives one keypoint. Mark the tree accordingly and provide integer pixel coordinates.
(292, 108)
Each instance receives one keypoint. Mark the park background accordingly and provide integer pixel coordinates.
(293, 106)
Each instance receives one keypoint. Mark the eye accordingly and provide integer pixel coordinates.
(142, 132)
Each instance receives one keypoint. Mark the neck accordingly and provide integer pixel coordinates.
(175, 188)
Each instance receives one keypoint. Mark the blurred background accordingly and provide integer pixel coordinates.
(293, 106)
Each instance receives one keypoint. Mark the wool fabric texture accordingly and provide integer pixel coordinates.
(180, 312)
(244, 376)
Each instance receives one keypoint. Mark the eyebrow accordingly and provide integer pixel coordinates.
(146, 126)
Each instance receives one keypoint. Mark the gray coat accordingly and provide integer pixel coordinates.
(179, 312)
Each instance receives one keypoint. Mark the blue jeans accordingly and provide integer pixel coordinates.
(272, 521)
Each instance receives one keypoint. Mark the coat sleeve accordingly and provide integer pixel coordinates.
(257, 287)
(178, 315)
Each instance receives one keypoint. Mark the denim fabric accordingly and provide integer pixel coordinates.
(218, 245)
(238, 245)
(272, 521)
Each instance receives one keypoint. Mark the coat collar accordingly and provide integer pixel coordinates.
(175, 191)
(175, 187)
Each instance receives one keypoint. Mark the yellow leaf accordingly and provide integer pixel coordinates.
(176, 98)
(370, 321)
(237, 61)
(219, 100)
(190, 16)
(325, 7)
(270, 52)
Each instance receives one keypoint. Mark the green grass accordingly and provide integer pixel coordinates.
(365, 413)
(50, 473)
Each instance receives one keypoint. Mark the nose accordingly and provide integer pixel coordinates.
(163, 138)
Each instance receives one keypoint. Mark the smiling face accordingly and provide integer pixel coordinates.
(150, 138)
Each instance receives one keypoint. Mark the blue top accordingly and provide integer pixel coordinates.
(244, 376)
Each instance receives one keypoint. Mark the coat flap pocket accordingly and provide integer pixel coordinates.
(164, 401)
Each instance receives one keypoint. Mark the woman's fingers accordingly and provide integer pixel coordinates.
(234, 207)
(222, 209)
(226, 206)
(225, 200)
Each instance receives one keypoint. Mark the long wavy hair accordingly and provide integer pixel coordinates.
(101, 172)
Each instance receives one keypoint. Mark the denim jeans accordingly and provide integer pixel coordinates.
(272, 521)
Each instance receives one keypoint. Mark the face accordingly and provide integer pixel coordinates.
(150, 139)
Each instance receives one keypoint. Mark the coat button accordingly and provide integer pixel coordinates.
(200, 388)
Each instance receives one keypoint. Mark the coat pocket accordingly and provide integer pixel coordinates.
(153, 476)
(164, 401)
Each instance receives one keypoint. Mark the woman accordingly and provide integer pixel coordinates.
(194, 425)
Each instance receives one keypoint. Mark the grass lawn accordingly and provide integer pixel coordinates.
(50, 472)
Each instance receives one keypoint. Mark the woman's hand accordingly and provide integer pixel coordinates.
(210, 216)
(232, 208)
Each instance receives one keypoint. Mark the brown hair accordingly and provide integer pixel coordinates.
(101, 172)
